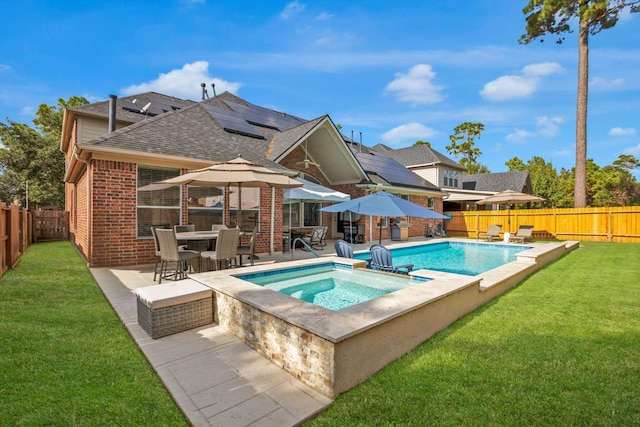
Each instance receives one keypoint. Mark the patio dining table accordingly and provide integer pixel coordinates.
(209, 236)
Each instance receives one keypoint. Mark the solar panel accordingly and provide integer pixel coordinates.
(232, 121)
(265, 117)
(387, 168)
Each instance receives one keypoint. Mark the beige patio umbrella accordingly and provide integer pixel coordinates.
(509, 197)
(235, 173)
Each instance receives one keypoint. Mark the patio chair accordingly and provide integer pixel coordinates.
(226, 249)
(343, 249)
(157, 247)
(493, 231)
(170, 253)
(524, 232)
(381, 259)
(314, 240)
(218, 227)
(249, 250)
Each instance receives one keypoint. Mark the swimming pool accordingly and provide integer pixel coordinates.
(329, 285)
(465, 258)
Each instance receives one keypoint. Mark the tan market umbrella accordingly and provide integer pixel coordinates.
(235, 173)
(509, 197)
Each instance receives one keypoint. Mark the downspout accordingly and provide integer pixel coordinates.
(273, 216)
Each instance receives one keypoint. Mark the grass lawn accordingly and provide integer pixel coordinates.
(65, 357)
(561, 349)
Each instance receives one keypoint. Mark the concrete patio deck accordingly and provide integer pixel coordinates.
(214, 377)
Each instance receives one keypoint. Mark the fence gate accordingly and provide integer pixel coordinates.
(49, 224)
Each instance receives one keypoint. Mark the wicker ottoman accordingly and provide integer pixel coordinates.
(174, 307)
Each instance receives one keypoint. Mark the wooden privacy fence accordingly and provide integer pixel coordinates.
(613, 224)
(50, 224)
(15, 234)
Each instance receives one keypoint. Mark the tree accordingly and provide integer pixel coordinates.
(420, 142)
(33, 156)
(553, 17)
(545, 180)
(463, 144)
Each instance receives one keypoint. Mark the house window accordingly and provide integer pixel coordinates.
(302, 214)
(205, 206)
(431, 202)
(250, 199)
(297, 213)
(157, 204)
(450, 178)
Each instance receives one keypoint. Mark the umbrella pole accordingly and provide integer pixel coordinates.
(380, 231)
(238, 225)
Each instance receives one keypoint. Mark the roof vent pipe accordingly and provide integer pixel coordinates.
(112, 113)
(204, 91)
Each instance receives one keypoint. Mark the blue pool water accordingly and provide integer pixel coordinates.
(329, 286)
(455, 257)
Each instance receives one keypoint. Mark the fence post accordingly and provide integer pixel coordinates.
(13, 231)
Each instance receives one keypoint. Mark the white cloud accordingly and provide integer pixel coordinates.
(291, 9)
(542, 69)
(416, 86)
(633, 150)
(508, 87)
(184, 82)
(547, 127)
(600, 83)
(519, 135)
(519, 86)
(324, 16)
(410, 131)
(622, 131)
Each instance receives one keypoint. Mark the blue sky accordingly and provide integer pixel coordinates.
(396, 72)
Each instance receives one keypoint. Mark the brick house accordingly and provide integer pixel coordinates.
(117, 151)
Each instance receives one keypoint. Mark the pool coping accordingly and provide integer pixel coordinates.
(341, 334)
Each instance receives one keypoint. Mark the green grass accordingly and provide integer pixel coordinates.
(561, 349)
(65, 357)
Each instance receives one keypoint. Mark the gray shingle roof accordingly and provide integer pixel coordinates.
(417, 155)
(191, 133)
(500, 181)
(129, 111)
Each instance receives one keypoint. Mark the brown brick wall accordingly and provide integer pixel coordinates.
(113, 230)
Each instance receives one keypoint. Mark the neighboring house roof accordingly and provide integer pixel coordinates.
(384, 170)
(417, 155)
(497, 182)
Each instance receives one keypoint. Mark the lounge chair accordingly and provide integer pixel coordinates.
(524, 232)
(343, 249)
(381, 259)
(316, 238)
(493, 231)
